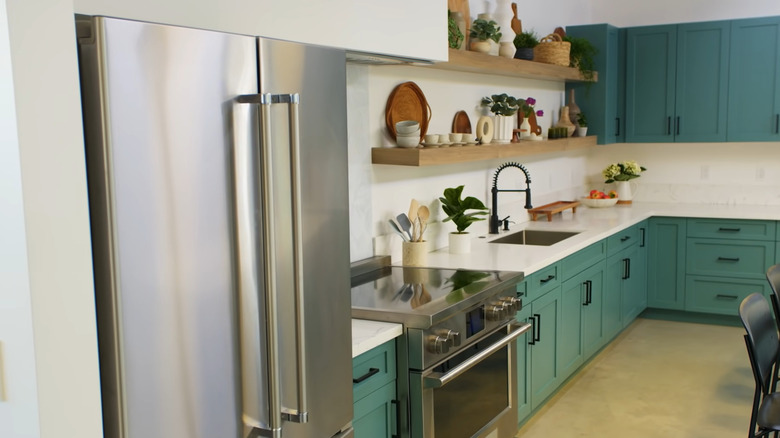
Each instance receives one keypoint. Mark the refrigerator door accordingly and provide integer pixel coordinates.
(305, 137)
(160, 107)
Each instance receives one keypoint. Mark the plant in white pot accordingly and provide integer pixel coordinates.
(482, 33)
(582, 125)
(462, 212)
(504, 107)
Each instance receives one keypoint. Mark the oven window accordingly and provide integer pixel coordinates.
(469, 402)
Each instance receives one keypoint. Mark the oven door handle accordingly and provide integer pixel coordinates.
(437, 380)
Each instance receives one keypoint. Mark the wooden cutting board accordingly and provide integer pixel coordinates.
(461, 6)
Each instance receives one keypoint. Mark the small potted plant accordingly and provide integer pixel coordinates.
(621, 174)
(525, 43)
(582, 125)
(462, 212)
(504, 107)
(482, 33)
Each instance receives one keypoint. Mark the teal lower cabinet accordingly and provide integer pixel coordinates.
(523, 365)
(720, 295)
(635, 295)
(666, 263)
(582, 331)
(543, 348)
(374, 392)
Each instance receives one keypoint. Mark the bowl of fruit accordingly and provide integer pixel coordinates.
(599, 199)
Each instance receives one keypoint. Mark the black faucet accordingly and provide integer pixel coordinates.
(494, 222)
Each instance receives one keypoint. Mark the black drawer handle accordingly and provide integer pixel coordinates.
(532, 320)
(397, 404)
(538, 327)
(549, 277)
(588, 292)
(677, 125)
(371, 372)
(731, 230)
(726, 297)
(624, 238)
(728, 259)
(642, 245)
(617, 126)
(777, 123)
(669, 125)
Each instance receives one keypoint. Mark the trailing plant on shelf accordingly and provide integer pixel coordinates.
(454, 35)
(462, 212)
(484, 30)
(581, 56)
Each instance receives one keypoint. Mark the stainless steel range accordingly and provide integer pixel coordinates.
(457, 355)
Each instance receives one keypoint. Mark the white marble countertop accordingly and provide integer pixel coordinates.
(369, 334)
(594, 224)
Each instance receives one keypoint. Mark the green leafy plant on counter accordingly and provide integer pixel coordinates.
(462, 212)
(484, 30)
(454, 35)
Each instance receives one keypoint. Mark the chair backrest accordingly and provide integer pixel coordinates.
(761, 337)
(773, 276)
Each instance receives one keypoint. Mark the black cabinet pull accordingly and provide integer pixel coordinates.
(626, 269)
(617, 126)
(371, 372)
(726, 297)
(677, 125)
(538, 327)
(669, 125)
(628, 262)
(777, 123)
(588, 292)
(585, 283)
(624, 238)
(532, 321)
(730, 230)
(642, 242)
(397, 433)
(728, 259)
(549, 277)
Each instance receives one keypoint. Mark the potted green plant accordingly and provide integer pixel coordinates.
(525, 43)
(482, 33)
(582, 125)
(454, 34)
(504, 107)
(462, 212)
(581, 56)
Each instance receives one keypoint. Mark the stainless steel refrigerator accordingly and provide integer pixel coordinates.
(217, 168)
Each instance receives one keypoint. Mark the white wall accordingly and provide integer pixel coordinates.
(18, 385)
(56, 225)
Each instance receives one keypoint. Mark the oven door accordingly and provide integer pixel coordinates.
(471, 394)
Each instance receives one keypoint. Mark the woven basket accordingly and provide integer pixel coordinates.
(552, 50)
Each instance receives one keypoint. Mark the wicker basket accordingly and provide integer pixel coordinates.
(552, 50)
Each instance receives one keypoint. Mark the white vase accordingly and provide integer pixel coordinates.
(625, 191)
(582, 131)
(507, 49)
(460, 243)
(503, 129)
(504, 16)
(525, 129)
(485, 129)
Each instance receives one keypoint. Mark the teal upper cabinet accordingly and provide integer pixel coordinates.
(754, 90)
(677, 82)
(601, 101)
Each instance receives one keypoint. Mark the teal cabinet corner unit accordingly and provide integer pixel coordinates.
(374, 392)
(677, 82)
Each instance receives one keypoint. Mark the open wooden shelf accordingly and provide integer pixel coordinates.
(463, 154)
(475, 62)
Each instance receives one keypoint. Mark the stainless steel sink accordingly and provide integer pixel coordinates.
(535, 237)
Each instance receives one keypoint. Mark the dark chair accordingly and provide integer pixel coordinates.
(762, 346)
(773, 276)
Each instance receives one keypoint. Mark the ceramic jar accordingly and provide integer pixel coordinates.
(565, 122)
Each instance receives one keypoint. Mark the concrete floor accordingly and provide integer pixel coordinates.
(657, 379)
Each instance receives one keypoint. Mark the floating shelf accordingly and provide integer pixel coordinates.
(464, 154)
(475, 62)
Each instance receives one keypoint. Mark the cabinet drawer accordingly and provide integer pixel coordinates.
(622, 239)
(731, 229)
(729, 258)
(583, 259)
(375, 414)
(721, 295)
(374, 369)
(543, 281)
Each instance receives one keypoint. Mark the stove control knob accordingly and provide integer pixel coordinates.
(514, 304)
(453, 338)
(438, 344)
(495, 312)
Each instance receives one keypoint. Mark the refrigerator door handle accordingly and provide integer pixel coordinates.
(277, 411)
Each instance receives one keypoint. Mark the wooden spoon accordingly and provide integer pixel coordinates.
(413, 207)
(423, 213)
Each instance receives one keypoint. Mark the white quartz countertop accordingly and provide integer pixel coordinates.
(593, 225)
(369, 334)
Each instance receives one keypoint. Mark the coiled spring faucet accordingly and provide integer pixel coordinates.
(494, 222)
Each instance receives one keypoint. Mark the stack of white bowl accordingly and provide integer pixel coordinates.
(407, 134)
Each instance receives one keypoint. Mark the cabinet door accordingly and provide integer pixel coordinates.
(754, 84)
(650, 83)
(633, 286)
(592, 313)
(523, 369)
(544, 373)
(570, 351)
(614, 273)
(600, 100)
(666, 263)
(375, 413)
(701, 81)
